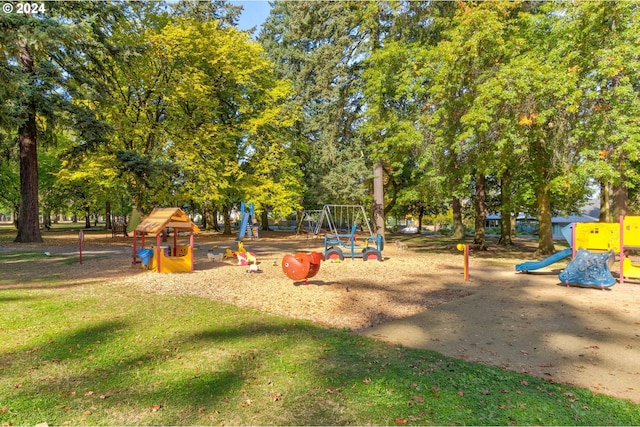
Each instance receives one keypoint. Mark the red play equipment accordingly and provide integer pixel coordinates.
(302, 266)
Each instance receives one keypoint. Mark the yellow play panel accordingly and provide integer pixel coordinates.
(594, 236)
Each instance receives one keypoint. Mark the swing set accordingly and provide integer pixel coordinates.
(342, 222)
(309, 222)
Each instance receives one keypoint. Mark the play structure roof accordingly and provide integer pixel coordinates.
(161, 218)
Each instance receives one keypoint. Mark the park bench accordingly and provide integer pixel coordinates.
(119, 228)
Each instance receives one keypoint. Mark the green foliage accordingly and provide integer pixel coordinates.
(181, 107)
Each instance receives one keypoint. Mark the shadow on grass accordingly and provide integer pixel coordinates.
(263, 370)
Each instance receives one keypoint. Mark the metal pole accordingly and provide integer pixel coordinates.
(621, 249)
(80, 239)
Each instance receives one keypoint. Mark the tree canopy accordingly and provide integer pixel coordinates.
(465, 107)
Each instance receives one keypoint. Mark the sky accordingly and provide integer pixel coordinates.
(253, 14)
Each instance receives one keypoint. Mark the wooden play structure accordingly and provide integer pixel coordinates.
(163, 258)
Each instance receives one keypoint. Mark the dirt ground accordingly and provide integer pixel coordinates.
(416, 297)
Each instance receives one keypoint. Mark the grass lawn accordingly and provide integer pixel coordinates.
(107, 354)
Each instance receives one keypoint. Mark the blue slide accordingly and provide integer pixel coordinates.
(243, 227)
(535, 265)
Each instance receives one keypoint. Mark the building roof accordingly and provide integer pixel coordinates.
(573, 218)
(555, 220)
(161, 218)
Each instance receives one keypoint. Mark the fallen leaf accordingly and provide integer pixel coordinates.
(332, 390)
(276, 397)
(4, 410)
(401, 421)
(417, 399)
(156, 408)
(89, 393)
(86, 413)
(524, 382)
(19, 385)
(461, 393)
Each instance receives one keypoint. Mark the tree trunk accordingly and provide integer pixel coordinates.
(214, 220)
(479, 237)
(505, 212)
(605, 203)
(458, 227)
(107, 210)
(227, 222)
(264, 219)
(620, 198)
(545, 239)
(28, 224)
(420, 218)
(378, 199)
(46, 219)
(87, 217)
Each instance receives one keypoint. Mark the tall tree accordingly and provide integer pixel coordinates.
(319, 47)
(601, 40)
(227, 117)
(35, 51)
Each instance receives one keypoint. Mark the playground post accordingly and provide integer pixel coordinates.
(80, 239)
(465, 249)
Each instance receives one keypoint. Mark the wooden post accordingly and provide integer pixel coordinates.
(174, 252)
(191, 247)
(134, 252)
(158, 250)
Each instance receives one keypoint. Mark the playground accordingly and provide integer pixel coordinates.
(416, 296)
